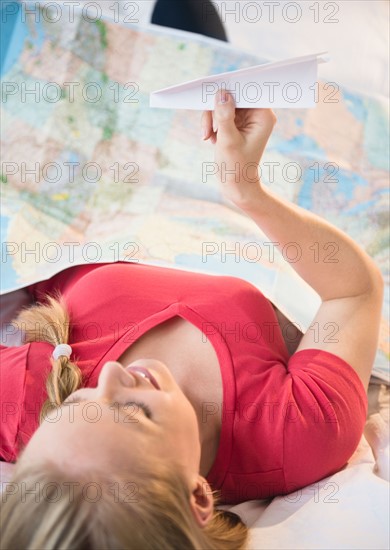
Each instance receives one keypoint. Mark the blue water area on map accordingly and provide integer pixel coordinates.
(356, 105)
(14, 32)
(8, 274)
(12, 35)
(304, 145)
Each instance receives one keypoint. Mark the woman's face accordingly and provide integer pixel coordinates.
(108, 425)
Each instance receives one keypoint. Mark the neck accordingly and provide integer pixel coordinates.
(209, 425)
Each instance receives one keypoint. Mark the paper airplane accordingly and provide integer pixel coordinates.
(290, 84)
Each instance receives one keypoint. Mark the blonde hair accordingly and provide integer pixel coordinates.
(44, 506)
(51, 323)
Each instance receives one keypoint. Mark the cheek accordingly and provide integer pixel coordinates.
(189, 421)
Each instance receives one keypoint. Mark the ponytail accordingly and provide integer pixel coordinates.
(49, 322)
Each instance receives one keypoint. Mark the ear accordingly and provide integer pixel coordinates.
(201, 501)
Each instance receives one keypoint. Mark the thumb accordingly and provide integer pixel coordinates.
(224, 117)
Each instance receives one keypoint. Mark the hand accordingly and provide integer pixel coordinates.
(240, 137)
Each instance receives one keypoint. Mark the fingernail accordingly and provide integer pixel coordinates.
(205, 133)
(223, 97)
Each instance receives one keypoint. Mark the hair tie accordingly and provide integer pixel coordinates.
(62, 349)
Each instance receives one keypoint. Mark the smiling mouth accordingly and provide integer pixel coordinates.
(146, 374)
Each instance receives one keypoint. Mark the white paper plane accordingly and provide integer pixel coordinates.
(282, 84)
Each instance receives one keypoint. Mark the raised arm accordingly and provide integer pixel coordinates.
(350, 285)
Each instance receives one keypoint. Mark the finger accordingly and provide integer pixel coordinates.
(224, 118)
(207, 124)
(215, 123)
(263, 121)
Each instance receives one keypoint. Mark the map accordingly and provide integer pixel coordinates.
(90, 173)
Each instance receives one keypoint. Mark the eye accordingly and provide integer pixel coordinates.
(141, 405)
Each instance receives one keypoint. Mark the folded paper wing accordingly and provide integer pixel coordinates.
(289, 83)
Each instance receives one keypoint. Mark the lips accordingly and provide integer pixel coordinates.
(146, 374)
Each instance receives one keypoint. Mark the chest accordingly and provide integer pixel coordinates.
(187, 353)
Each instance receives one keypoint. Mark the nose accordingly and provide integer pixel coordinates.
(112, 378)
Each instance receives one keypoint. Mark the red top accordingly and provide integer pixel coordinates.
(286, 421)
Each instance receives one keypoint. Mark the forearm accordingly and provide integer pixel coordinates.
(327, 259)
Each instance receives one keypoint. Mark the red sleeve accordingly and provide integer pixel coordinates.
(12, 383)
(325, 419)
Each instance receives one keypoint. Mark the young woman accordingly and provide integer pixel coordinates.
(160, 398)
